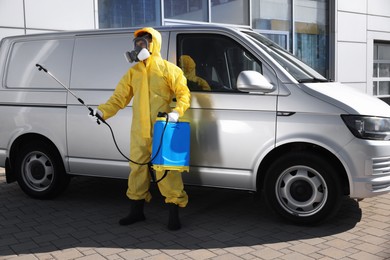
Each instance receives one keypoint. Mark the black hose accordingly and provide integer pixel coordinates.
(149, 163)
(127, 158)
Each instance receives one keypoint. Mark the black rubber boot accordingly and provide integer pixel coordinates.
(174, 221)
(136, 213)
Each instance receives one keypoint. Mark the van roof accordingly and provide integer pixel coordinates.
(198, 27)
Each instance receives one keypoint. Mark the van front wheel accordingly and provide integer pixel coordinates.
(303, 188)
(40, 171)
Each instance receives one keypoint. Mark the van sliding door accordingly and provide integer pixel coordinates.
(98, 65)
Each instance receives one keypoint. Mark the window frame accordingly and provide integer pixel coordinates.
(180, 36)
(376, 78)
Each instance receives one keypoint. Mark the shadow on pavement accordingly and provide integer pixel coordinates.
(86, 215)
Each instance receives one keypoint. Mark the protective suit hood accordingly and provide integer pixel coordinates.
(188, 66)
(155, 46)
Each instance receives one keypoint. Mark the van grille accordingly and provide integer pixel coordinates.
(381, 166)
(381, 187)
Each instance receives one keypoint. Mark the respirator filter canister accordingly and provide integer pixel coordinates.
(140, 52)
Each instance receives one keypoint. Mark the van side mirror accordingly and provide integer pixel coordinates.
(253, 81)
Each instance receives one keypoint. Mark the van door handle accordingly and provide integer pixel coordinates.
(285, 113)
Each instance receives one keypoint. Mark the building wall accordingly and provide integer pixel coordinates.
(358, 24)
(36, 16)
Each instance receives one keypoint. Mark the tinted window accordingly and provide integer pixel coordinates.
(218, 60)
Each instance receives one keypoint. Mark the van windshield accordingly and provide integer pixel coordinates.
(298, 69)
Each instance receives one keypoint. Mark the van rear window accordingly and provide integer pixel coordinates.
(54, 55)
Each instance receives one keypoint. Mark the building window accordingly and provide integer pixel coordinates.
(381, 71)
(299, 26)
(122, 13)
(230, 11)
(273, 20)
(311, 33)
(279, 37)
(194, 10)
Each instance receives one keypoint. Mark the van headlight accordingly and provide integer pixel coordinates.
(368, 127)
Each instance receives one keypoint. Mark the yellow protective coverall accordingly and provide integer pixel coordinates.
(151, 84)
(188, 66)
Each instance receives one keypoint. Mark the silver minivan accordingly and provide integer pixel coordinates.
(268, 123)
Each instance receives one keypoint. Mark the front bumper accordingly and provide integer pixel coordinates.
(368, 167)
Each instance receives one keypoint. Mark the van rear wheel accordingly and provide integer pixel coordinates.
(40, 171)
(303, 188)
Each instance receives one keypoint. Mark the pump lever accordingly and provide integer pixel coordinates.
(162, 114)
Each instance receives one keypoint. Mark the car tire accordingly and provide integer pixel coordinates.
(40, 171)
(303, 188)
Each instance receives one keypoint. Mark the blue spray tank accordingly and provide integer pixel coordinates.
(172, 150)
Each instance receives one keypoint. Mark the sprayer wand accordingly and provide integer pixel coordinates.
(40, 67)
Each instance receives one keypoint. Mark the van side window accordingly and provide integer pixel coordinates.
(213, 60)
(55, 55)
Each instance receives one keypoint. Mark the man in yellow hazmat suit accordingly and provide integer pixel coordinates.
(151, 83)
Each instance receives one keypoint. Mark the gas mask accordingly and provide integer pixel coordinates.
(140, 52)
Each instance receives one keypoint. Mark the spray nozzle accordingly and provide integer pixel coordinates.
(40, 67)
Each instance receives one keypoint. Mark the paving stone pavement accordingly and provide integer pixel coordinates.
(217, 224)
